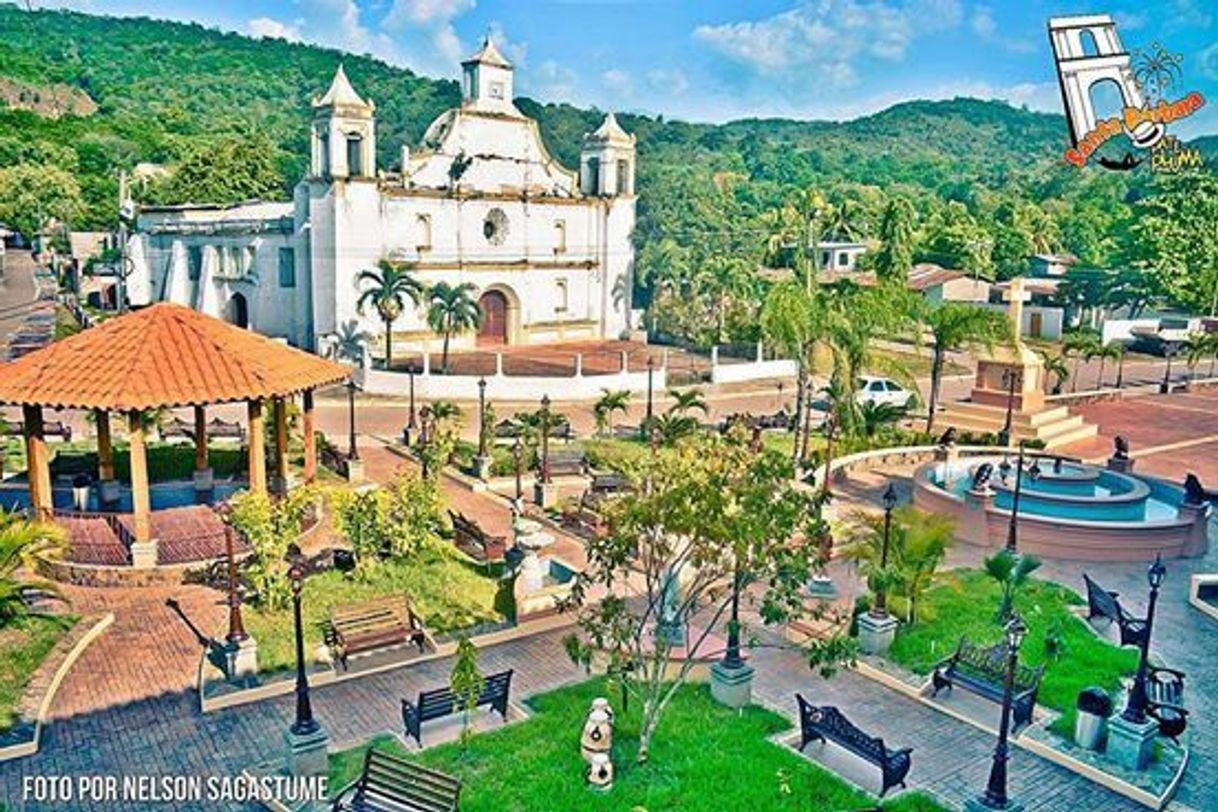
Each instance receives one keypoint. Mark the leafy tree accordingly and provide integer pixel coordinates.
(388, 288)
(271, 527)
(673, 426)
(712, 512)
(954, 326)
(1173, 239)
(453, 309)
(232, 169)
(917, 546)
(610, 402)
(792, 318)
(1057, 365)
(1078, 345)
(21, 541)
(351, 342)
(467, 683)
(32, 195)
(894, 259)
(1011, 571)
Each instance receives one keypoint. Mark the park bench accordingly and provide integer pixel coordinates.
(821, 722)
(1165, 692)
(1102, 603)
(373, 625)
(609, 484)
(567, 463)
(441, 702)
(983, 671)
(476, 542)
(584, 518)
(388, 783)
(52, 428)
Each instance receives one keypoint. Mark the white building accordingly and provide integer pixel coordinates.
(547, 250)
(840, 257)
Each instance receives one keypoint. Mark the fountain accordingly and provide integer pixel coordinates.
(542, 582)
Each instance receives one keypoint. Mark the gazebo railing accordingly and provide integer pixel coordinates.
(112, 520)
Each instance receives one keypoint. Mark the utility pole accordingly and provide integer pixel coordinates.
(124, 213)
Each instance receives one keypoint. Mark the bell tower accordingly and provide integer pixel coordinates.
(487, 81)
(606, 161)
(343, 135)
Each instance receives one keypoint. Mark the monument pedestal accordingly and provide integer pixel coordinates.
(307, 752)
(1122, 465)
(974, 526)
(1132, 744)
(876, 633)
(1198, 538)
(482, 467)
(821, 586)
(242, 658)
(545, 494)
(732, 687)
(205, 479)
(144, 554)
(355, 470)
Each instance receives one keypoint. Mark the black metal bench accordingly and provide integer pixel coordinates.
(821, 722)
(983, 671)
(372, 625)
(567, 463)
(471, 539)
(50, 428)
(1102, 603)
(391, 784)
(441, 702)
(1165, 692)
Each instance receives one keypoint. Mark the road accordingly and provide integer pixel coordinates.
(17, 292)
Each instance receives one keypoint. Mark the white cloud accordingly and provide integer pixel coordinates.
(829, 37)
(673, 82)
(618, 81)
(1207, 61)
(552, 81)
(267, 27)
(432, 21)
(425, 12)
(986, 28)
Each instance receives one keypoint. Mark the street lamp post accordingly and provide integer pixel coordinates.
(352, 451)
(518, 459)
(305, 724)
(995, 796)
(411, 421)
(424, 438)
(830, 426)
(1135, 706)
(651, 368)
(545, 439)
(482, 417)
(1165, 384)
(1034, 474)
(889, 500)
(236, 628)
(1011, 378)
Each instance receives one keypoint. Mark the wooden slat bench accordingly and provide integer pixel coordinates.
(567, 463)
(821, 722)
(391, 784)
(476, 542)
(585, 518)
(1165, 691)
(1102, 603)
(441, 702)
(373, 625)
(983, 671)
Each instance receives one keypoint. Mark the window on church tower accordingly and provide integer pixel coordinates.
(560, 236)
(424, 223)
(560, 299)
(323, 141)
(496, 90)
(623, 177)
(355, 155)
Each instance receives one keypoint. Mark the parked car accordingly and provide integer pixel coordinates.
(882, 390)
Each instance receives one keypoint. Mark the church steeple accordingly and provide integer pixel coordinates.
(343, 133)
(606, 162)
(488, 80)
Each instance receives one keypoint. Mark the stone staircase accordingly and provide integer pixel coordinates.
(1055, 426)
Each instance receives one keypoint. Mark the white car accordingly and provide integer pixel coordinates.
(882, 390)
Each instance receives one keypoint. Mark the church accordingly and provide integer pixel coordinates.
(481, 201)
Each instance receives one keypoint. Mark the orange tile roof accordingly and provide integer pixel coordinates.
(163, 355)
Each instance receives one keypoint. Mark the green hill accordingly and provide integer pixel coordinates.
(163, 89)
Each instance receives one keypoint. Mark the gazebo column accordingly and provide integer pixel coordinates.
(144, 548)
(257, 448)
(38, 463)
(310, 437)
(204, 477)
(279, 481)
(107, 485)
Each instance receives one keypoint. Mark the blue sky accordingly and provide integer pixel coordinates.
(714, 60)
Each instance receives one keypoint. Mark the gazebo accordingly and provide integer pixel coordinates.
(161, 356)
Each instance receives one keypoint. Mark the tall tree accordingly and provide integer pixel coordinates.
(894, 259)
(20, 541)
(453, 309)
(31, 196)
(387, 288)
(790, 320)
(610, 401)
(231, 169)
(954, 326)
(1174, 239)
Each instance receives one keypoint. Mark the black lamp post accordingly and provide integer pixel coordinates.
(425, 438)
(545, 439)
(830, 426)
(732, 658)
(518, 459)
(1034, 473)
(1135, 706)
(236, 628)
(889, 500)
(352, 451)
(995, 796)
(482, 417)
(1165, 385)
(305, 724)
(1011, 379)
(651, 368)
(411, 421)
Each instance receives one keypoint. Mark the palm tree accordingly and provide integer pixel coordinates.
(873, 417)
(1077, 346)
(1198, 347)
(445, 410)
(350, 342)
(1119, 348)
(1056, 365)
(953, 326)
(20, 541)
(609, 403)
(1111, 351)
(789, 319)
(388, 288)
(672, 426)
(1011, 571)
(452, 310)
(917, 546)
(687, 401)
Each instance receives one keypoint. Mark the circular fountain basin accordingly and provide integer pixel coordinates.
(1070, 510)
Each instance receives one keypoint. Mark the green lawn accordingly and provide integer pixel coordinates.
(447, 591)
(963, 604)
(23, 647)
(704, 757)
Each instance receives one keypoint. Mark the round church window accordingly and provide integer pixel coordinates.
(495, 227)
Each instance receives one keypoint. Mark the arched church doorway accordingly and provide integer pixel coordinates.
(494, 328)
(237, 312)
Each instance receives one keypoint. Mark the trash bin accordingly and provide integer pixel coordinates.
(80, 491)
(1091, 726)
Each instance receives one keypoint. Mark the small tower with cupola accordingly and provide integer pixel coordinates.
(486, 84)
(343, 135)
(606, 161)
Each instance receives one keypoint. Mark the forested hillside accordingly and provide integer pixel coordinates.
(983, 182)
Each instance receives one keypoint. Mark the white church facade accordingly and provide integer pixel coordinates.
(548, 250)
